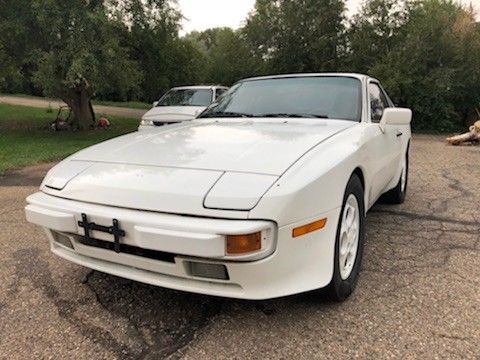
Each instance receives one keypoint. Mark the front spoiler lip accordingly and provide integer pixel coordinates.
(184, 282)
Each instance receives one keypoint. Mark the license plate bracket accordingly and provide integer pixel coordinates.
(113, 230)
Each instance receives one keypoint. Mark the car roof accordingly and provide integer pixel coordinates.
(200, 87)
(282, 76)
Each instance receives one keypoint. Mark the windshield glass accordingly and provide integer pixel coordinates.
(187, 97)
(332, 97)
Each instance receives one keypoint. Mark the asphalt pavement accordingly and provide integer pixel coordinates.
(418, 295)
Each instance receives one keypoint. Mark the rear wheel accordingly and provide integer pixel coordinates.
(398, 194)
(349, 242)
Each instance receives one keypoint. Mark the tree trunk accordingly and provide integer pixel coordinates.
(83, 115)
(472, 136)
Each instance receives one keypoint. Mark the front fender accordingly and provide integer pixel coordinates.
(315, 184)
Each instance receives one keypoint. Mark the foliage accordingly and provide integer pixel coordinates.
(426, 52)
(297, 36)
(80, 46)
(17, 46)
(375, 31)
(7, 68)
(226, 55)
(152, 39)
(435, 68)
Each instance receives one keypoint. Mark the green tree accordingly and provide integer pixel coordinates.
(82, 55)
(187, 64)
(376, 30)
(20, 38)
(435, 69)
(74, 49)
(152, 40)
(7, 68)
(227, 56)
(298, 35)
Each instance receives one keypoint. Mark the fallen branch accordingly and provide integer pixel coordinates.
(472, 136)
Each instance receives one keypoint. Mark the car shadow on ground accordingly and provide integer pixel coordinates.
(160, 322)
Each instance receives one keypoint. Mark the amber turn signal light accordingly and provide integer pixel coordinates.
(305, 229)
(243, 244)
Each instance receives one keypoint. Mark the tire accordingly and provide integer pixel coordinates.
(345, 277)
(398, 194)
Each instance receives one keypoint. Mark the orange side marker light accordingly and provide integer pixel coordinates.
(308, 228)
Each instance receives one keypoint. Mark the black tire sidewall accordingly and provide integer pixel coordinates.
(396, 195)
(340, 289)
(400, 196)
(404, 192)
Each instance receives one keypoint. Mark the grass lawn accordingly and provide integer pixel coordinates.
(26, 140)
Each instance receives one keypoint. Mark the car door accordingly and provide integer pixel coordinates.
(385, 142)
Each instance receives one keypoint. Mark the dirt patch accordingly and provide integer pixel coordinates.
(28, 176)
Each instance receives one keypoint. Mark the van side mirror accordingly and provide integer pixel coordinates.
(396, 116)
(155, 103)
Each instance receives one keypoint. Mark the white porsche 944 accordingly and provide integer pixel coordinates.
(264, 195)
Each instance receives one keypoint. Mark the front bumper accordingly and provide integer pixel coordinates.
(287, 266)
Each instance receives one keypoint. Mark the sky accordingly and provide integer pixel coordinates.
(203, 14)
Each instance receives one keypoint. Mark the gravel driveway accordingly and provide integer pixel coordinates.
(418, 295)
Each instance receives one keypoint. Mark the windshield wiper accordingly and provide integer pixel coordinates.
(225, 115)
(284, 115)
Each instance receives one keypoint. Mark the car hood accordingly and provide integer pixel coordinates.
(191, 168)
(262, 147)
(172, 113)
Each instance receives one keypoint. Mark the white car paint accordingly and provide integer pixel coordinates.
(173, 114)
(193, 183)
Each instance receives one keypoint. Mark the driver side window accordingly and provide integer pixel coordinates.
(378, 102)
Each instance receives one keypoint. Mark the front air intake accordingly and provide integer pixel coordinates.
(208, 270)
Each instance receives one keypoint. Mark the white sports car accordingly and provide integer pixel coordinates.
(264, 195)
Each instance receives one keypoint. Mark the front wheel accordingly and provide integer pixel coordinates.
(349, 242)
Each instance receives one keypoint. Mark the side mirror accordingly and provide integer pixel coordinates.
(396, 116)
(155, 103)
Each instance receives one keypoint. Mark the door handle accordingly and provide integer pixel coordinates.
(399, 134)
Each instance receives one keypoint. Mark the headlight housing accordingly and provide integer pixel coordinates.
(59, 176)
(145, 122)
(251, 246)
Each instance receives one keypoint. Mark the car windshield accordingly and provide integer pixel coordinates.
(326, 97)
(187, 97)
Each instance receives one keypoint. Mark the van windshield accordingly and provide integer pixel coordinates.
(187, 97)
